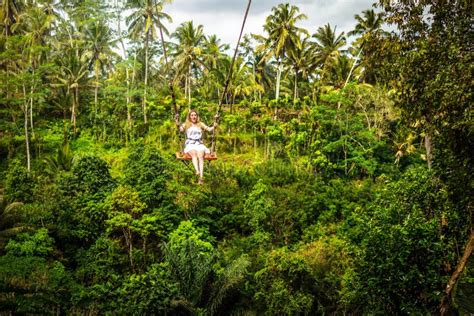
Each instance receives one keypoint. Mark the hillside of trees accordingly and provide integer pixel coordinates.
(343, 183)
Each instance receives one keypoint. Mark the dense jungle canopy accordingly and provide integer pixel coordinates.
(343, 184)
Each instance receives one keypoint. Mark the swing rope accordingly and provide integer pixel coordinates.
(229, 76)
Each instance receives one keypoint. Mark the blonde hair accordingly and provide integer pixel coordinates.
(188, 122)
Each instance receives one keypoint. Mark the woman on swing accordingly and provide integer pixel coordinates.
(193, 146)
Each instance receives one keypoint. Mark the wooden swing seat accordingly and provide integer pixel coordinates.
(182, 156)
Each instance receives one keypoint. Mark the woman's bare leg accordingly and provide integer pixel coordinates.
(194, 158)
(200, 155)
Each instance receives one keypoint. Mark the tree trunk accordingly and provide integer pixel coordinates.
(96, 96)
(73, 111)
(146, 76)
(127, 233)
(186, 86)
(352, 68)
(134, 71)
(277, 91)
(189, 84)
(75, 106)
(129, 115)
(295, 92)
(32, 90)
(445, 302)
(31, 112)
(27, 141)
(429, 149)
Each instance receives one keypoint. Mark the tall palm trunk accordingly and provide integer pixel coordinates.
(27, 140)
(295, 90)
(189, 84)
(146, 76)
(277, 92)
(134, 72)
(32, 90)
(75, 106)
(96, 92)
(127, 74)
(129, 114)
(73, 111)
(353, 66)
(429, 148)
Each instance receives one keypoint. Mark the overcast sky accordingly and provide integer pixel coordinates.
(224, 17)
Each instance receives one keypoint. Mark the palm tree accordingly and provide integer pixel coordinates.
(11, 220)
(188, 52)
(71, 75)
(37, 24)
(191, 263)
(303, 61)
(262, 70)
(213, 59)
(213, 51)
(148, 15)
(99, 51)
(243, 83)
(9, 15)
(367, 26)
(339, 71)
(328, 46)
(283, 35)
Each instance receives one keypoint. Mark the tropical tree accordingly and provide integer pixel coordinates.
(367, 26)
(329, 47)
(143, 22)
(243, 81)
(213, 58)
(99, 51)
(188, 52)
(9, 15)
(71, 75)
(192, 262)
(283, 36)
(36, 24)
(303, 62)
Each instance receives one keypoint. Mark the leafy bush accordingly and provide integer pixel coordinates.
(19, 183)
(398, 262)
(146, 171)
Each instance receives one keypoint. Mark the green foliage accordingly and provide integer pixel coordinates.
(129, 219)
(434, 79)
(101, 262)
(83, 193)
(90, 175)
(281, 284)
(148, 293)
(62, 161)
(40, 244)
(40, 283)
(19, 183)
(307, 280)
(258, 206)
(146, 171)
(190, 259)
(318, 203)
(401, 248)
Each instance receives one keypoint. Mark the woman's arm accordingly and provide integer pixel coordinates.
(178, 124)
(208, 128)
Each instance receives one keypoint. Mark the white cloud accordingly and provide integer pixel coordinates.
(224, 18)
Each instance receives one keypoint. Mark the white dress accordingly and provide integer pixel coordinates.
(194, 138)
